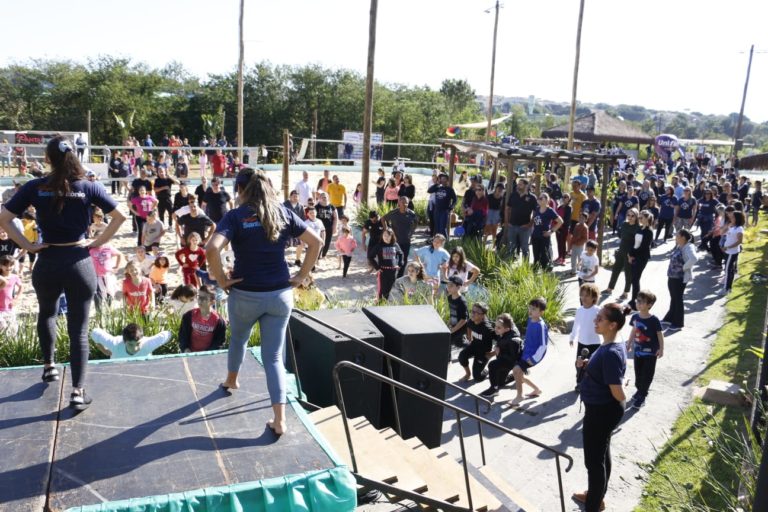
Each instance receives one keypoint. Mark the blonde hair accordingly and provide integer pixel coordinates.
(259, 195)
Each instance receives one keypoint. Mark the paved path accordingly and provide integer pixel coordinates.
(556, 417)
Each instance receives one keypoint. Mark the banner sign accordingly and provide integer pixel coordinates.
(352, 147)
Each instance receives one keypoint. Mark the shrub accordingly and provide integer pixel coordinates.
(361, 214)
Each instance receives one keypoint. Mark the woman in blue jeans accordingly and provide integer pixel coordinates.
(63, 201)
(260, 286)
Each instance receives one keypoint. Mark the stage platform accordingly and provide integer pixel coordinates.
(161, 435)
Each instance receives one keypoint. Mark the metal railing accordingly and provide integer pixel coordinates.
(445, 405)
(389, 358)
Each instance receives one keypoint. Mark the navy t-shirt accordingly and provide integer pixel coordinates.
(69, 225)
(445, 197)
(643, 197)
(542, 221)
(606, 366)
(686, 208)
(259, 262)
(629, 202)
(667, 204)
(591, 206)
(707, 208)
(646, 335)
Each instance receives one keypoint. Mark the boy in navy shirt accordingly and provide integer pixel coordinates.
(647, 341)
(534, 349)
(457, 305)
(481, 334)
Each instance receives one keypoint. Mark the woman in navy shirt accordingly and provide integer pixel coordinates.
(667, 205)
(603, 395)
(63, 201)
(545, 222)
(260, 287)
(685, 213)
(707, 209)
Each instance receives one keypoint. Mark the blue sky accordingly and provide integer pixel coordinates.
(668, 54)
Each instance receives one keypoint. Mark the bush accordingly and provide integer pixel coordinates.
(478, 254)
(420, 209)
(361, 214)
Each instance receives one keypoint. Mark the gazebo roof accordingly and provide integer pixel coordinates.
(600, 127)
(532, 153)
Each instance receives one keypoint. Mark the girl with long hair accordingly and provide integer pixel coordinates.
(260, 286)
(63, 202)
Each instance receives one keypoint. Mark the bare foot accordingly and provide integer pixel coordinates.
(515, 403)
(230, 385)
(535, 394)
(278, 428)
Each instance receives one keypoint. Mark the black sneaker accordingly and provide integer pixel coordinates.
(79, 402)
(50, 374)
(638, 403)
(491, 391)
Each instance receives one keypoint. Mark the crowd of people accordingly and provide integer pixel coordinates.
(234, 250)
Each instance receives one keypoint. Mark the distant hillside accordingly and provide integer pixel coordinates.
(686, 125)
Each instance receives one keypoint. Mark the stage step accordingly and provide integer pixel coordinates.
(410, 461)
(371, 450)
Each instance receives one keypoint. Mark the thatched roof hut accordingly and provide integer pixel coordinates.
(600, 127)
(759, 161)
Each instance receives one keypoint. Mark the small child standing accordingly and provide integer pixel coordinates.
(152, 232)
(578, 239)
(202, 328)
(346, 245)
(583, 331)
(387, 262)
(98, 226)
(10, 288)
(191, 257)
(106, 259)
(31, 233)
(157, 275)
(647, 341)
(588, 264)
(137, 290)
(457, 305)
(343, 223)
(132, 343)
(534, 350)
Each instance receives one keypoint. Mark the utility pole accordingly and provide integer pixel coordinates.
(572, 117)
(743, 101)
(240, 106)
(493, 73)
(399, 133)
(368, 113)
(314, 134)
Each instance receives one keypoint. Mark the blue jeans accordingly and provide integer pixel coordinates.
(271, 310)
(518, 238)
(442, 222)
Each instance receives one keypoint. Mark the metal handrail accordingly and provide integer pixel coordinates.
(390, 358)
(459, 412)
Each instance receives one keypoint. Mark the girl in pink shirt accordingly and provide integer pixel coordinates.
(137, 290)
(346, 245)
(10, 288)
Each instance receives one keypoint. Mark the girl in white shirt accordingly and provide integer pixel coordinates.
(732, 247)
(583, 331)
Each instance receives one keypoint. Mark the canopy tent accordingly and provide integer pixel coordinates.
(483, 124)
(758, 161)
(600, 126)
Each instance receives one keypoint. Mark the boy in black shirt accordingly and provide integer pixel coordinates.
(647, 341)
(507, 351)
(457, 305)
(481, 335)
(373, 228)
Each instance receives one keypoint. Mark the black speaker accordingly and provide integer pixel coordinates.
(319, 348)
(418, 335)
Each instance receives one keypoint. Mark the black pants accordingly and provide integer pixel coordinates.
(140, 228)
(347, 260)
(164, 205)
(114, 184)
(498, 370)
(405, 246)
(339, 211)
(478, 365)
(731, 263)
(645, 368)
(591, 349)
(667, 225)
(621, 264)
(542, 252)
(599, 422)
(676, 307)
(717, 252)
(387, 277)
(161, 292)
(637, 271)
(328, 236)
(68, 270)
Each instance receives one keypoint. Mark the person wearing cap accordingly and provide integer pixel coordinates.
(373, 229)
(216, 201)
(592, 207)
(444, 201)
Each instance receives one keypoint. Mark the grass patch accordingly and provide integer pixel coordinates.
(708, 452)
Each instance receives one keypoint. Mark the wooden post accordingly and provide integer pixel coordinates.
(451, 164)
(743, 101)
(572, 116)
(399, 133)
(90, 139)
(312, 147)
(240, 107)
(368, 112)
(493, 72)
(601, 219)
(286, 161)
(537, 179)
